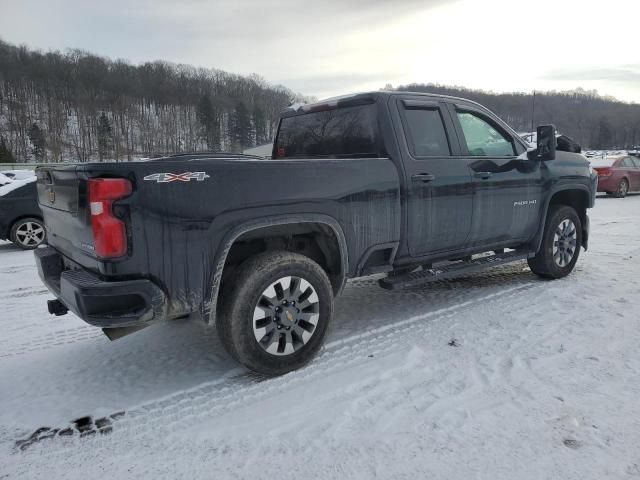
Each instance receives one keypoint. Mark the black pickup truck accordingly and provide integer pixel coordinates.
(414, 186)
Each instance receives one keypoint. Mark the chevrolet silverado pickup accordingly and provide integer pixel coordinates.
(412, 187)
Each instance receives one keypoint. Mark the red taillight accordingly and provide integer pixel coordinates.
(109, 232)
(603, 172)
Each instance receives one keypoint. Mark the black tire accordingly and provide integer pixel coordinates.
(28, 233)
(235, 323)
(544, 264)
(623, 189)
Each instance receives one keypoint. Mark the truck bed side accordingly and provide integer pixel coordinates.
(177, 230)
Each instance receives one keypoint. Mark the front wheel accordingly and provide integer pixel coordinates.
(561, 243)
(276, 312)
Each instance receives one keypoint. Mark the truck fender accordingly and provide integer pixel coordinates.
(537, 239)
(209, 307)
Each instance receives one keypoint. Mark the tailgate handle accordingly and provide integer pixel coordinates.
(423, 177)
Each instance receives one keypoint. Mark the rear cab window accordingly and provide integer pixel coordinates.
(343, 132)
(425, 131)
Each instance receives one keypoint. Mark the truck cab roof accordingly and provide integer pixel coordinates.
(364, 98)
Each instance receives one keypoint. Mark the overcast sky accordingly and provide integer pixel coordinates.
(331, 47)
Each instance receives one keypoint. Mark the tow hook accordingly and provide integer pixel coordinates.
(57, 308)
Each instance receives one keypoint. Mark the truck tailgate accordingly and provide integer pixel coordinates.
(62, 198)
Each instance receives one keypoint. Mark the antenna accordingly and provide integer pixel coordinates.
(533, 109)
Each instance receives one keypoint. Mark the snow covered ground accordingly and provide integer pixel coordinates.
(498, 375)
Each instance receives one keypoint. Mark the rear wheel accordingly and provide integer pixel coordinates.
(561, 243)
(623, 188)
(276, 312)
(28, 233)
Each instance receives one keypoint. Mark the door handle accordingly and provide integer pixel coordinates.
(423, 177)
(482, 175)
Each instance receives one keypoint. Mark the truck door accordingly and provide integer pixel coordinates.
(439, 187)
(507, 186)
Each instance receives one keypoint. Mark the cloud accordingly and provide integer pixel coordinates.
(328, 47)
(625, 74)
(307, 46)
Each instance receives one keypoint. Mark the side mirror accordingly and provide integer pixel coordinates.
(546, 137)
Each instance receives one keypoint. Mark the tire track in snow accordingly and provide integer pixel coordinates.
(16, 269)
(183, 409)
(22, 292)
(50, 340)
(436, 405)
(9, 348)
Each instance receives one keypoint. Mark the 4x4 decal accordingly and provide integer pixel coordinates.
(180, 177)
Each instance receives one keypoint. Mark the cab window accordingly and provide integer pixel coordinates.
(426, 135)
(482, 138)
(344, 132)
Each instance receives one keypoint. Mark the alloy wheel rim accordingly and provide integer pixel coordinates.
(30, 234)
(623, 188)
(564, 243)
(286, 316)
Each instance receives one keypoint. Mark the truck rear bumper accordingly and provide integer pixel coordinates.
(106, 304)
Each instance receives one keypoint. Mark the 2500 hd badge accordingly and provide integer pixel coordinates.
(520, 203)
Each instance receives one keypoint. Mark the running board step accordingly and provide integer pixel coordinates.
(453, 270)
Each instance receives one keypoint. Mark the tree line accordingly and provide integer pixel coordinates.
(79, 107)
(592, 120)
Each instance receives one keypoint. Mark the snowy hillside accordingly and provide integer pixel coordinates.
(499, 375)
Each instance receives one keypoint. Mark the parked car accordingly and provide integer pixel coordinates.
(564, 143)
(383, 182)
(618, 175)
(20, 216)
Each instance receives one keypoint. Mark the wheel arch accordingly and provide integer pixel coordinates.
(22, 217)
(323, 237)
(576, 196)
